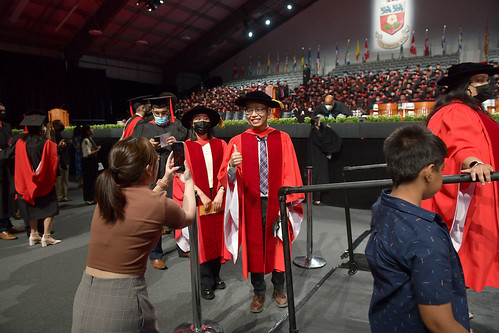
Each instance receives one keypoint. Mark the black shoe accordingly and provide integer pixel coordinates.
(207, 294)
(220, 284)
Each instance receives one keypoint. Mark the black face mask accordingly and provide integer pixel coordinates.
(484, 93)
(2, 116)
(202, 127)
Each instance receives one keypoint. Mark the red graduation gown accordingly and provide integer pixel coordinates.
(246, 215)
(130, 125)
(32, 183)
(210, 227)
(471, 211)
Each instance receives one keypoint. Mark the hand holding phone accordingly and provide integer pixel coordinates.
(178, 155)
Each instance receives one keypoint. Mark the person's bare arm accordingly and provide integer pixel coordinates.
(439, 318)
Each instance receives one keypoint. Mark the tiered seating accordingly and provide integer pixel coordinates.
(294, 79)
(397, 64)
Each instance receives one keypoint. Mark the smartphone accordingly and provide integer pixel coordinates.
(156, 138)
(178, 155)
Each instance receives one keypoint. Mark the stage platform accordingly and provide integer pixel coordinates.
(37, 285)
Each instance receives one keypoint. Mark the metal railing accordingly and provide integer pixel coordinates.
(286, 190)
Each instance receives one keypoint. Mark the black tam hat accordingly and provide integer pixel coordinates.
(33, 118)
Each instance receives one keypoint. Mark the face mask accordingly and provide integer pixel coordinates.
(2, 116)
(328, 107)
(377, 99)
(484, 93)
(161, 121)
(201, 127)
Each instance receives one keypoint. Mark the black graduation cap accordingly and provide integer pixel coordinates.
(33, 118)
(136, 102)
(164, 100)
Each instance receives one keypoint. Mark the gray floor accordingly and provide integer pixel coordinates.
(37, 285)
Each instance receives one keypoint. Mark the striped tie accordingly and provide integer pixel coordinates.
(264, 166)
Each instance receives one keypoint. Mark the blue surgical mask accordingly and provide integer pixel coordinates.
(161, 121)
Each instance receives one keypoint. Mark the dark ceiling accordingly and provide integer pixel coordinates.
(180, 35)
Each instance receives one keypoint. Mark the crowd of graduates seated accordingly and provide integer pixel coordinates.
(358, 91)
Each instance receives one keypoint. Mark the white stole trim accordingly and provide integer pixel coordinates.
(231, 219)
(462, 204)
(182, 240)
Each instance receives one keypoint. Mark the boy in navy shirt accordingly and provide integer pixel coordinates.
(418, 279)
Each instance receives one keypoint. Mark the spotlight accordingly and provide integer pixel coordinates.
(267, 22)
(150, 4)
(250, 34)
(289, 6)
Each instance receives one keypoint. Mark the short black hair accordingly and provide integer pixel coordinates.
(409, 149)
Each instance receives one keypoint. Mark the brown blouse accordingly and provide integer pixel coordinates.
(124, 247)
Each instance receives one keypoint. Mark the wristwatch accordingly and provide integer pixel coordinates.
(472, 164)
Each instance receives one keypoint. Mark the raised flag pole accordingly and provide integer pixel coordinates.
(198, 325)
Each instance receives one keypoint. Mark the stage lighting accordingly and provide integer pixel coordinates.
(267, 22)
(151, 4)
(250, 34)
(289, 6)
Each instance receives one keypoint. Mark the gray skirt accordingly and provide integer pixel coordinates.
(113, 305)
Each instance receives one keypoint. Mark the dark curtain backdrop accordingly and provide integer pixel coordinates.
(28, 82)
(121, 91)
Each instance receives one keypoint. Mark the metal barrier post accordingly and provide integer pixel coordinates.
(309, 261)
(287, 265)
(198, 326)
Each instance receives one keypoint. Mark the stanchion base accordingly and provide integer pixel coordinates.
(207, 326)
(309, 262)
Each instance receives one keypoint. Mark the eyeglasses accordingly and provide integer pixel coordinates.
(259, 111)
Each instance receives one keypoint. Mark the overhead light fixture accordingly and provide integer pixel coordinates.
(141, 42)
(267, 22)
(150, 4)
(289, 6)
(250, 34)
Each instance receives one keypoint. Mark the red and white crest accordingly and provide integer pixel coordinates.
(392, 15)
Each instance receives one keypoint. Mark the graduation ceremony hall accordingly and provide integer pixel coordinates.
(249, 166)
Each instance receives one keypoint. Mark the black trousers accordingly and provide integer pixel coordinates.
(210, 273)
(258, 279)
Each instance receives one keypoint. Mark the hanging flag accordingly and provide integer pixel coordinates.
(302, 58)
(268, 63)
(486, 46)
(413, 45)
(249, 69)
(234, 74)
(460, 40)
(347, 55)
(366, 51)
(258, 66)
(242, 71)
(443, 40)
(357, 53)
(309, 56)
(277, 64)
(337, 55)
(426, 48)
(318, 59)
(294, 61)
(286, 64)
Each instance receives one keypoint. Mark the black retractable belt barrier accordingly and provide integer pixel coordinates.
(353, 264)
(286, 190)
(198, 325)
(309, 261)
